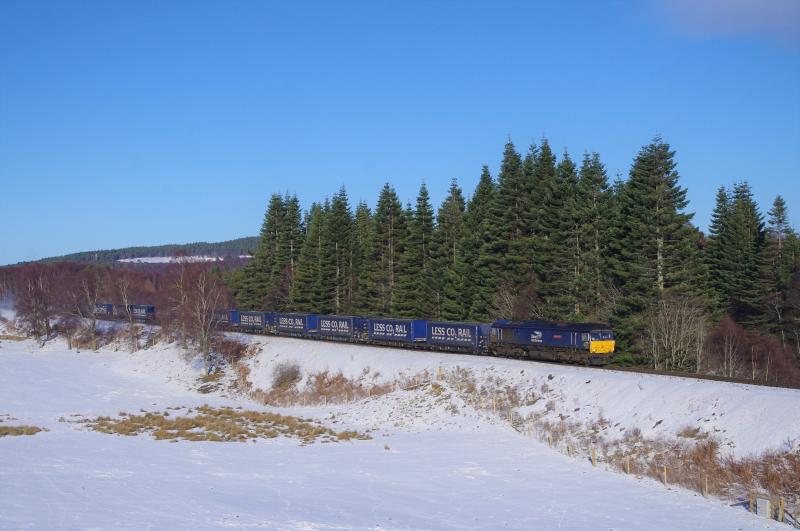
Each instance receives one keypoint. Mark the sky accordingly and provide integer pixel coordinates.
(148, 122)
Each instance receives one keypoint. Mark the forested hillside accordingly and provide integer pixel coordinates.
(237, 247)
(550, 238)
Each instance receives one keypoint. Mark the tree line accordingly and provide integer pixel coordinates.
(546, 238)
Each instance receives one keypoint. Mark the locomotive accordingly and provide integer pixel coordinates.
(585, 343)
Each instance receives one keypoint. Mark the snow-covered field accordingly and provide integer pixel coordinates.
(174, 259)
(427, 466)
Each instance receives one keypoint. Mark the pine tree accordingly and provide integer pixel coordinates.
(306, 295)
(362, 250)
(595, 207)
(655, 241)
(480, 265)
(563, 246)
(546, 213)
(741, 257)
(386, 249)
(415, 286)
(718, 278)
(776, 269)
(252, 288)
(338, 256)
(448, 265)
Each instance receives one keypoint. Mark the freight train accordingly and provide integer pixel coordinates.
(585, 343)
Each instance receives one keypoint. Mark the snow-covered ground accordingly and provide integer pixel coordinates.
(746, 419)
(175, 259)
(426, 467)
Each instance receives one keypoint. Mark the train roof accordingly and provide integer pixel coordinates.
(550, 325)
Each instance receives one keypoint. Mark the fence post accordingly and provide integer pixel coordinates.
(705, 488)
(594, 457)
(628, 464)
(494, 409)
(781, 510)
(665, 474)
(325, 400)
(752, 502)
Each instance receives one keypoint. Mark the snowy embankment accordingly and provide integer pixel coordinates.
(434, 461)
(745, 419)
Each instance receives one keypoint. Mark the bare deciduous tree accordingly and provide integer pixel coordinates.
(676, 331)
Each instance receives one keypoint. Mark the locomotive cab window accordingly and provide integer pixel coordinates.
(601, 335)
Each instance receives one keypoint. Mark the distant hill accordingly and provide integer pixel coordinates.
(230, 248)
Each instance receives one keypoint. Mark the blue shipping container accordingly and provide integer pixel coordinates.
(296, 322)
(402, 330)
(103, 310)
(222, 316)
(336, 326)
(253, 319)
(453, 334)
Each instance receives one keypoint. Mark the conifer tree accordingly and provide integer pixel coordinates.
(448, 266)
(387, 243)
(338, 256)
(480, 264)
(362, 250)
(718, 278)
(563, 247)
(546, 212)
(741, 257)
(415, 289)
(776, 269)
(253, 286)
(655, 241)
(306, 295)
(595, 209)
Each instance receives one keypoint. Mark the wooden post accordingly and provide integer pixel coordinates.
(594, 457)
(549, 440)
(752, 504)
(665, 474)
(781, 510)
(628, 464)
(705, 487)
(325, 400)
(494, 408)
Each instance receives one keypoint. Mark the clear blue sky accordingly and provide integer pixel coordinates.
(154, 122)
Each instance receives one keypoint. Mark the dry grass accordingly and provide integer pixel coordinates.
(8, 337)
(223, 424)
(320, 388)
(15, 431)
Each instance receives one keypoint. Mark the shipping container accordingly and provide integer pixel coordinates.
(103, 310)
(221, 316)
(254, 319)
(142, 312)
(296, 323)
(336, 326)
(466, 335)
(397, 330)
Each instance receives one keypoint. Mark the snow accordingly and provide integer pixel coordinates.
(746, 419)
(174, 259)
(434, 470)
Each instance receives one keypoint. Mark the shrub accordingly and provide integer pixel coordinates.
(285, 375)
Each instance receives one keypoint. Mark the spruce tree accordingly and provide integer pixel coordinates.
(362, 251)
(415, 288)
(448, 265)
(338, 255)
(656, 243)
(479, 277)
(718, 278)
(253, 286)
(306, 295)
(594, 207)
(387, 243)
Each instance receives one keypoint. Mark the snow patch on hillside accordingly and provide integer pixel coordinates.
(746, 419)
